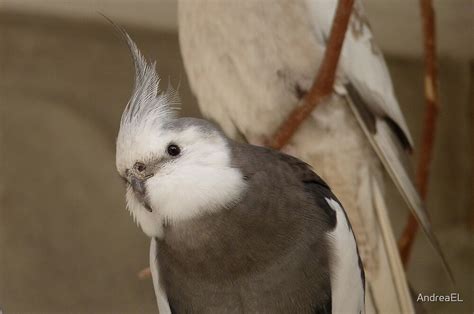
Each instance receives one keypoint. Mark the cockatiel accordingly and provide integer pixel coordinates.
(250, 62)
(235, 228)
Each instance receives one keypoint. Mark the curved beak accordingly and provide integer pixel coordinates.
(138, 185)
(139, 188)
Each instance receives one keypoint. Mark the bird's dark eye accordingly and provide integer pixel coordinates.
(140, 167)
(173, 150)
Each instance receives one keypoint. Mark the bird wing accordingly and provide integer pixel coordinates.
(366, 82)
(388, 148)
(160, 293)
(348, 283)
(361, 61)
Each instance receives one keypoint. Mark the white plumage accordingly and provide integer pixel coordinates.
(346, 284)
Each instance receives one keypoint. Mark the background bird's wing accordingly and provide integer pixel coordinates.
(388, 148)
(361, 61)
(160, 293)
(365, 80)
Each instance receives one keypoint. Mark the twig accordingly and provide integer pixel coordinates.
(144, 273)
(323, 84)
(429, 124)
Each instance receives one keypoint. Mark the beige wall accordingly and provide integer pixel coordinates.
(396, 23)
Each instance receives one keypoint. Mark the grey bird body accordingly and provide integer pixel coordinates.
(235, 228)
(269, 253)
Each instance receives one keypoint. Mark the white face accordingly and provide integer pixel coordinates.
(183, 172)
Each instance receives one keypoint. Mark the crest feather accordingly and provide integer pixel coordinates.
(147, 100)
(148, 105)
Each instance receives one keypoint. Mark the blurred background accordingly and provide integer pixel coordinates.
(67, 243)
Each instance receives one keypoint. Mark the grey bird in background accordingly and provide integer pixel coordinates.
(250, 62)
(235, 228)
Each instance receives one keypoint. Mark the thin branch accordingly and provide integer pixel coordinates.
(144, 273)
(323, 84)
(429, 124)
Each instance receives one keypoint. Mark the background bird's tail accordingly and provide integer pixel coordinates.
(392, 155)
(390, 265)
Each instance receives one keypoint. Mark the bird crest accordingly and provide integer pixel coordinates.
(148, 106)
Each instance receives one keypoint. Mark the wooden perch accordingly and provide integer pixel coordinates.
(323, 84)
(429, 124)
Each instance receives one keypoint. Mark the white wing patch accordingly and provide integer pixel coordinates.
(347, 288)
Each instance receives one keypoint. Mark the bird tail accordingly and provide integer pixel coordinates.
(391, 153)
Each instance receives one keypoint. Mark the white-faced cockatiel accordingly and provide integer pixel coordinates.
(250, 62)
(235, 228)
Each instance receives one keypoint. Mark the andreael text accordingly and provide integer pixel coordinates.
(452, 297)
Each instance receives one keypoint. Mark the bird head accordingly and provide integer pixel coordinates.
(174, 168)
